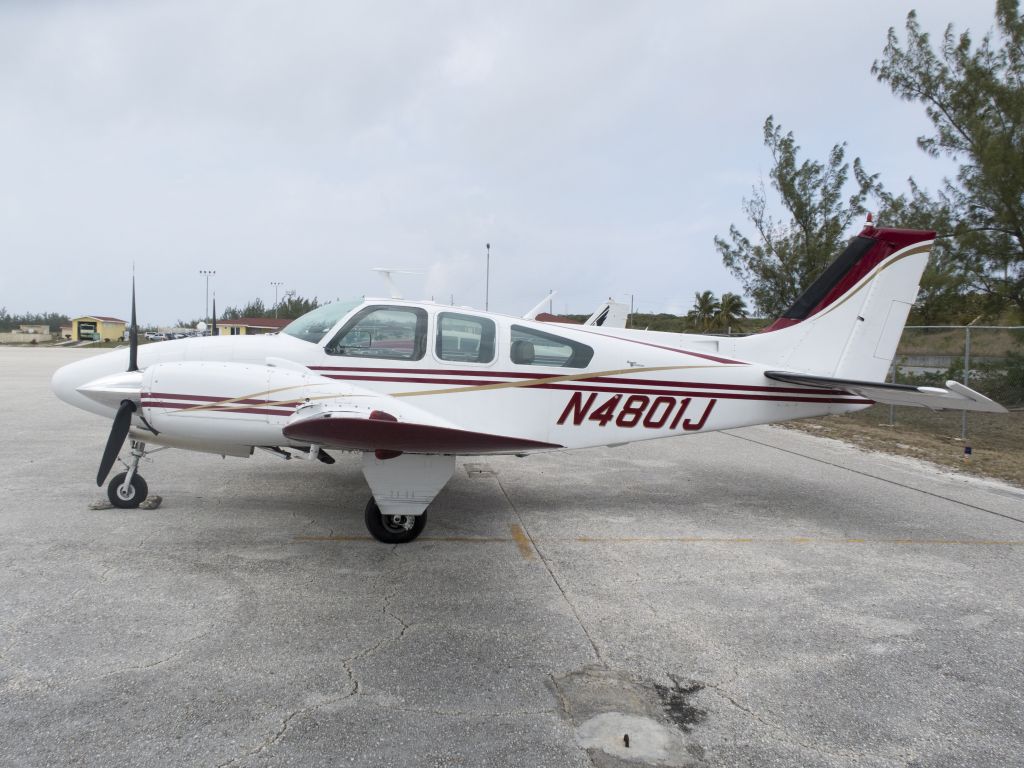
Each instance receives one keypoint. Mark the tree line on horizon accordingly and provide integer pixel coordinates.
(8, 321)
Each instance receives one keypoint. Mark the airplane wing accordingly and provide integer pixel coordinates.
(395, 427)
(953, 397)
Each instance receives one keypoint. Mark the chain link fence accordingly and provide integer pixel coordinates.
(987, 358)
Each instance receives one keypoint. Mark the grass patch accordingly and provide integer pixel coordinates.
(997, 439)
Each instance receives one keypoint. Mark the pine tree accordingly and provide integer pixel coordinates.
(974, 98)
(784, 257)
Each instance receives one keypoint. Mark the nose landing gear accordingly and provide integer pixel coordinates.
(128, 489)
(127, 494)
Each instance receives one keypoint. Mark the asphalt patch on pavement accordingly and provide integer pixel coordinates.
(675, 699)
(622, 720)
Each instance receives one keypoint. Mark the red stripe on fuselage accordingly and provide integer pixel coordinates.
(432, 371)
(693, 389)
(179, 406)
(851, 400)
(225, 401)
(494, 375)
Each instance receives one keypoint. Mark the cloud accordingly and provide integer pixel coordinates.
(598, 146)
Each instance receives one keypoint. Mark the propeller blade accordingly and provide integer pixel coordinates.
(213, 330)
(133, 337)
(118, 433)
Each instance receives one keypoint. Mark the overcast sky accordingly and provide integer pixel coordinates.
(598, 146)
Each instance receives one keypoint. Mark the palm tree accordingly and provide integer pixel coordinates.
(732, 309)
(705, 309)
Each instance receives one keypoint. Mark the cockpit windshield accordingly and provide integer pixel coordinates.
(313, 326)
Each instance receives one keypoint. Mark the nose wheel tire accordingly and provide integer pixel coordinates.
(392, 529)
(129, 497)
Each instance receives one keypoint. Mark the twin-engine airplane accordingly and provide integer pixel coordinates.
(411, 385)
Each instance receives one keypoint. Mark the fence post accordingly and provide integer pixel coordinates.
(967, 372)
(892, 408)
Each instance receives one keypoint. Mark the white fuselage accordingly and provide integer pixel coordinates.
(227, 394)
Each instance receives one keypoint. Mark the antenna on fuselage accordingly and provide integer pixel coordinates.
(387, 272)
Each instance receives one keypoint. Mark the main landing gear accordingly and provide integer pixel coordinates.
(127, 490)
(403, 487)
(393, 529)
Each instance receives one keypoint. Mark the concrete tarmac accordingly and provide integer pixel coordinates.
(760, 597)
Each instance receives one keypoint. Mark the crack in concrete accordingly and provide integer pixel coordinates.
(311, 522)
(286, 722)
(562, 700)
(184, 647)
(547, 566)
(16, 625)
(354, 684)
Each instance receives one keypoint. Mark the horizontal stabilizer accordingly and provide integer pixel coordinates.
(952, 397)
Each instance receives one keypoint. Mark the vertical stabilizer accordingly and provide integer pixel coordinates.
(611, 314)
(849, 321)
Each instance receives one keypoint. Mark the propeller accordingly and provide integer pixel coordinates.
(213, 329)
(118, 433)
(123, 417)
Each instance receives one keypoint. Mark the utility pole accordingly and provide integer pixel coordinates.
(276, 286)
(207, 273)
(487, 289)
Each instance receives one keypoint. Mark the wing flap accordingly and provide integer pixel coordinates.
(953, 397)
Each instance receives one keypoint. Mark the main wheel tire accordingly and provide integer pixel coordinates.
(134, 495)
(392, 529)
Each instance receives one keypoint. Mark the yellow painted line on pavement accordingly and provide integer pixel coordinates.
(786, 540)
(522, 541)
(458, 539)
(526, 549)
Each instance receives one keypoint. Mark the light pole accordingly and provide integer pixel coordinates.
(207, 273)
(487, 289)
(276, 286)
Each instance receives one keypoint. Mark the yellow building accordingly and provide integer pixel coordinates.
(247, 326)
(97, 328)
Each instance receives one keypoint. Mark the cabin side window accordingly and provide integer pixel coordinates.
(532, 347)
(464, 338)
(383, 333)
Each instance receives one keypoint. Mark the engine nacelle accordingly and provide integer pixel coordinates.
(225, 407)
